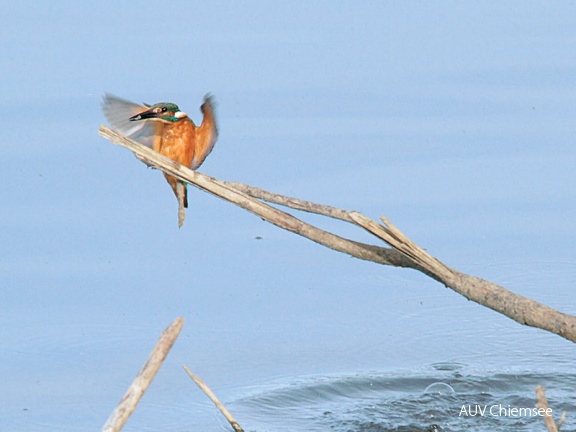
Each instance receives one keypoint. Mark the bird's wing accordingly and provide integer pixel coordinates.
(118, 112)
(206, 133)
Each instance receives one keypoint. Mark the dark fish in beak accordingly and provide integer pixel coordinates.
(144, 115)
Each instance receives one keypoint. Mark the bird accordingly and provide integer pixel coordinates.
(168, 131)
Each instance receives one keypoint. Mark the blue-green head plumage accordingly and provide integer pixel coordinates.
(166, 112)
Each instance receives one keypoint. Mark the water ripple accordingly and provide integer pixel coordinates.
(405, 402)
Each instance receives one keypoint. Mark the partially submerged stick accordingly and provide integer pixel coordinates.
(403, 252)
(542, 403)
(206, 390)
(128, 403)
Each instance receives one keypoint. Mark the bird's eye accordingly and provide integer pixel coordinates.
(164, 109)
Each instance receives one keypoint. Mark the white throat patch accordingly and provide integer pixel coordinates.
(180, 114)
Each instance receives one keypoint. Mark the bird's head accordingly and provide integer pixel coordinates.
(165, 112)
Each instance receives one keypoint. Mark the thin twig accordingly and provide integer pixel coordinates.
(404, 253)
(542, 404)
(128, 403)
(294, 203)
(562, 420)
(206, 390)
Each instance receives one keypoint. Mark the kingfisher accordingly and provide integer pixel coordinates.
(168, 131)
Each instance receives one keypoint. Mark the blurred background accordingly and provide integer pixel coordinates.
(453, 119)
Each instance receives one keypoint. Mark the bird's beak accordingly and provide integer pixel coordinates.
(144, 115)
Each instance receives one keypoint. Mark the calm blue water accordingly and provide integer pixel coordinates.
(455, 122)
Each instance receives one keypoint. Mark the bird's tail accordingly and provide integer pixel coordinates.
(173, 182)
(181, 192)
(182, 195)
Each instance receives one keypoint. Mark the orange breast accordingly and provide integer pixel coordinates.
(178, 141)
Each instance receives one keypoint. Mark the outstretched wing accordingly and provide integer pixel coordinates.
(206, 133)
(118, 112)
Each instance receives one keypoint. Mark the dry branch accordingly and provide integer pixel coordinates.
(403, 252)
(206, 390)
(273, 215)
(136, 390)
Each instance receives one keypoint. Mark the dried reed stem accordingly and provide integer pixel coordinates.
(206, 390)
(542, 403)
(144, 377)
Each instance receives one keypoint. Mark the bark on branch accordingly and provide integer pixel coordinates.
(401, 253)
